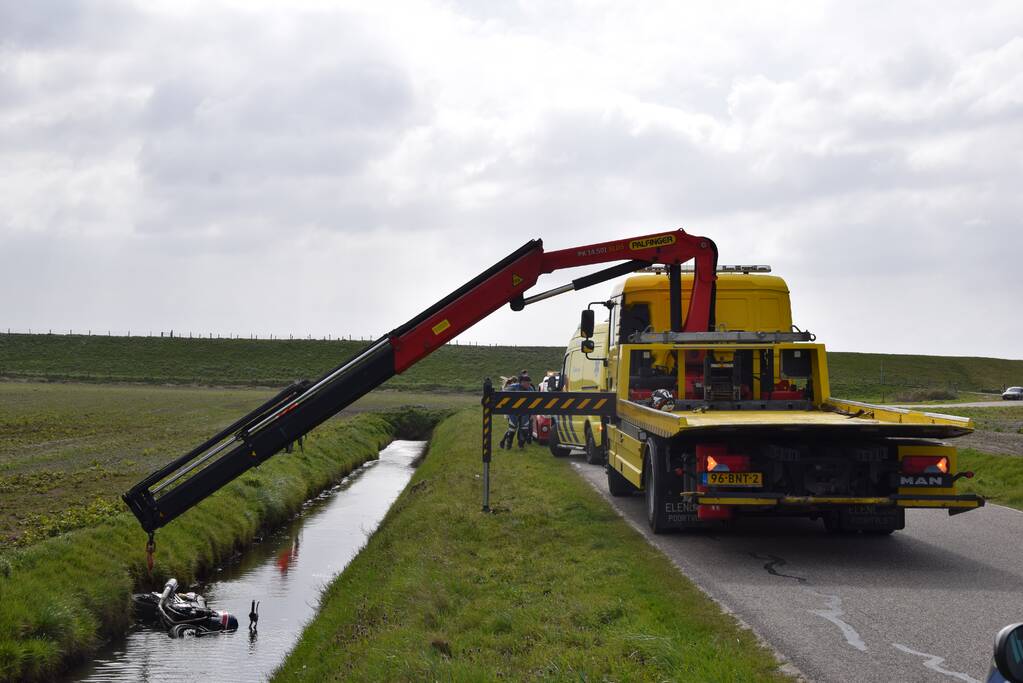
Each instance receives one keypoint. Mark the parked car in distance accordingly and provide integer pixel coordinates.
(1013, 394)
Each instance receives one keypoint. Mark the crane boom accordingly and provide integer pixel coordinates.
(175, 488)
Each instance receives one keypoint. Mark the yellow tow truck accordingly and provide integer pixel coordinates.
(713, 405)
(739, 420)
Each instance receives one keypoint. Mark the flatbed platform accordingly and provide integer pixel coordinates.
(838, 418)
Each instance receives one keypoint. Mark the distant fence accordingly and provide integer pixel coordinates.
(177, 334)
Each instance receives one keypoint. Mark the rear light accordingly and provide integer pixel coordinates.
(715, 458)
(726, 463)
(925, 464)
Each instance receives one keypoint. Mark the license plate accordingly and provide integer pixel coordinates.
(733, 478)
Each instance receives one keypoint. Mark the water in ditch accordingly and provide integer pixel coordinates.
(286, 573)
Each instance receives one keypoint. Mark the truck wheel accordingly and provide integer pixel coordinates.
(832, 523)
(617, 485)
(653, 487)
(594, 454)
(557, 450)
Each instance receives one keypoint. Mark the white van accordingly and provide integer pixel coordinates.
(580, 373)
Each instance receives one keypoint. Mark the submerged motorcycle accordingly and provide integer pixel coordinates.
(182, 614)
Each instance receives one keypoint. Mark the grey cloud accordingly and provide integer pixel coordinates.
(207, 157)
(58, 24)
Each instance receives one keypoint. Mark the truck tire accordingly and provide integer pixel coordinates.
(594, 453)
(833, 523)
(654, 486)
(617, 485)
(554, 444)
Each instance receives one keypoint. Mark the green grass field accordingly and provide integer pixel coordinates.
(67, 451)
(234, 362)
(859, 375)
(1003, 417)
(241, 362)
(553, 586)
(999, 478)
(61, 597)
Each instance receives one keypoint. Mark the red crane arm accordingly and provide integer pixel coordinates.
(509, 279)
(181, 484)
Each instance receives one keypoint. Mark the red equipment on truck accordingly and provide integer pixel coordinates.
(170, 491)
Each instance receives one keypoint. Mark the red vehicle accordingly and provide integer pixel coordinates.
(541, 425)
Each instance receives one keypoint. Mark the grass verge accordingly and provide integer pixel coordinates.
(553, 586)
(68, 451)
(999, 478)
(60, 598)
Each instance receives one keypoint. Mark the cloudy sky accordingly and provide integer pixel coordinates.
(333, 168)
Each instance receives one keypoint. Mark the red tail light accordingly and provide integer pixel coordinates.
(925, 464)
(716, 458)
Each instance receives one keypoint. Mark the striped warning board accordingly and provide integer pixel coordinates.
(553, 403)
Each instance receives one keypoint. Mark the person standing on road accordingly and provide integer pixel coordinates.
(518, 423)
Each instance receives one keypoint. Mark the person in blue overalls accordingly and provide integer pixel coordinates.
(518, 423)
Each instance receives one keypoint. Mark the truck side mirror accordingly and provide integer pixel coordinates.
(586, 323)
(587, 346)
(1009, 653)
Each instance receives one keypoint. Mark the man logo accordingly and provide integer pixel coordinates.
(909, 480)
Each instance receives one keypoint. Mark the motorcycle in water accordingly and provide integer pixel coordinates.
(182, 614)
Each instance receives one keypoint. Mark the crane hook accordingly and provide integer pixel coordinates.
(150, 551)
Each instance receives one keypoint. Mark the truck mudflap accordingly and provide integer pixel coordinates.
(954, 503)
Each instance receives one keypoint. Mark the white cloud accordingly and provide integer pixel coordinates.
(322, 167)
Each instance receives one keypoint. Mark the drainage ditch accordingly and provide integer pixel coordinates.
(286, 573)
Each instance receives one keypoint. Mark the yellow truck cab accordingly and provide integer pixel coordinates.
(746, 298)
(580, 373)
(739, 420)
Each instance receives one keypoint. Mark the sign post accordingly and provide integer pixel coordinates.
(488, 393)
(522, 403)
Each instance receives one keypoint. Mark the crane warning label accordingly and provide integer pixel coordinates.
(650, 242)
(441, 326)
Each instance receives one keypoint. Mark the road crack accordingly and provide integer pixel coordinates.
(774, 561)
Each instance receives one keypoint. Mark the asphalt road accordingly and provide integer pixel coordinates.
(921, 605)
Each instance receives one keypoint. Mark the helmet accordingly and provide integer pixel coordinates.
(662, 399)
